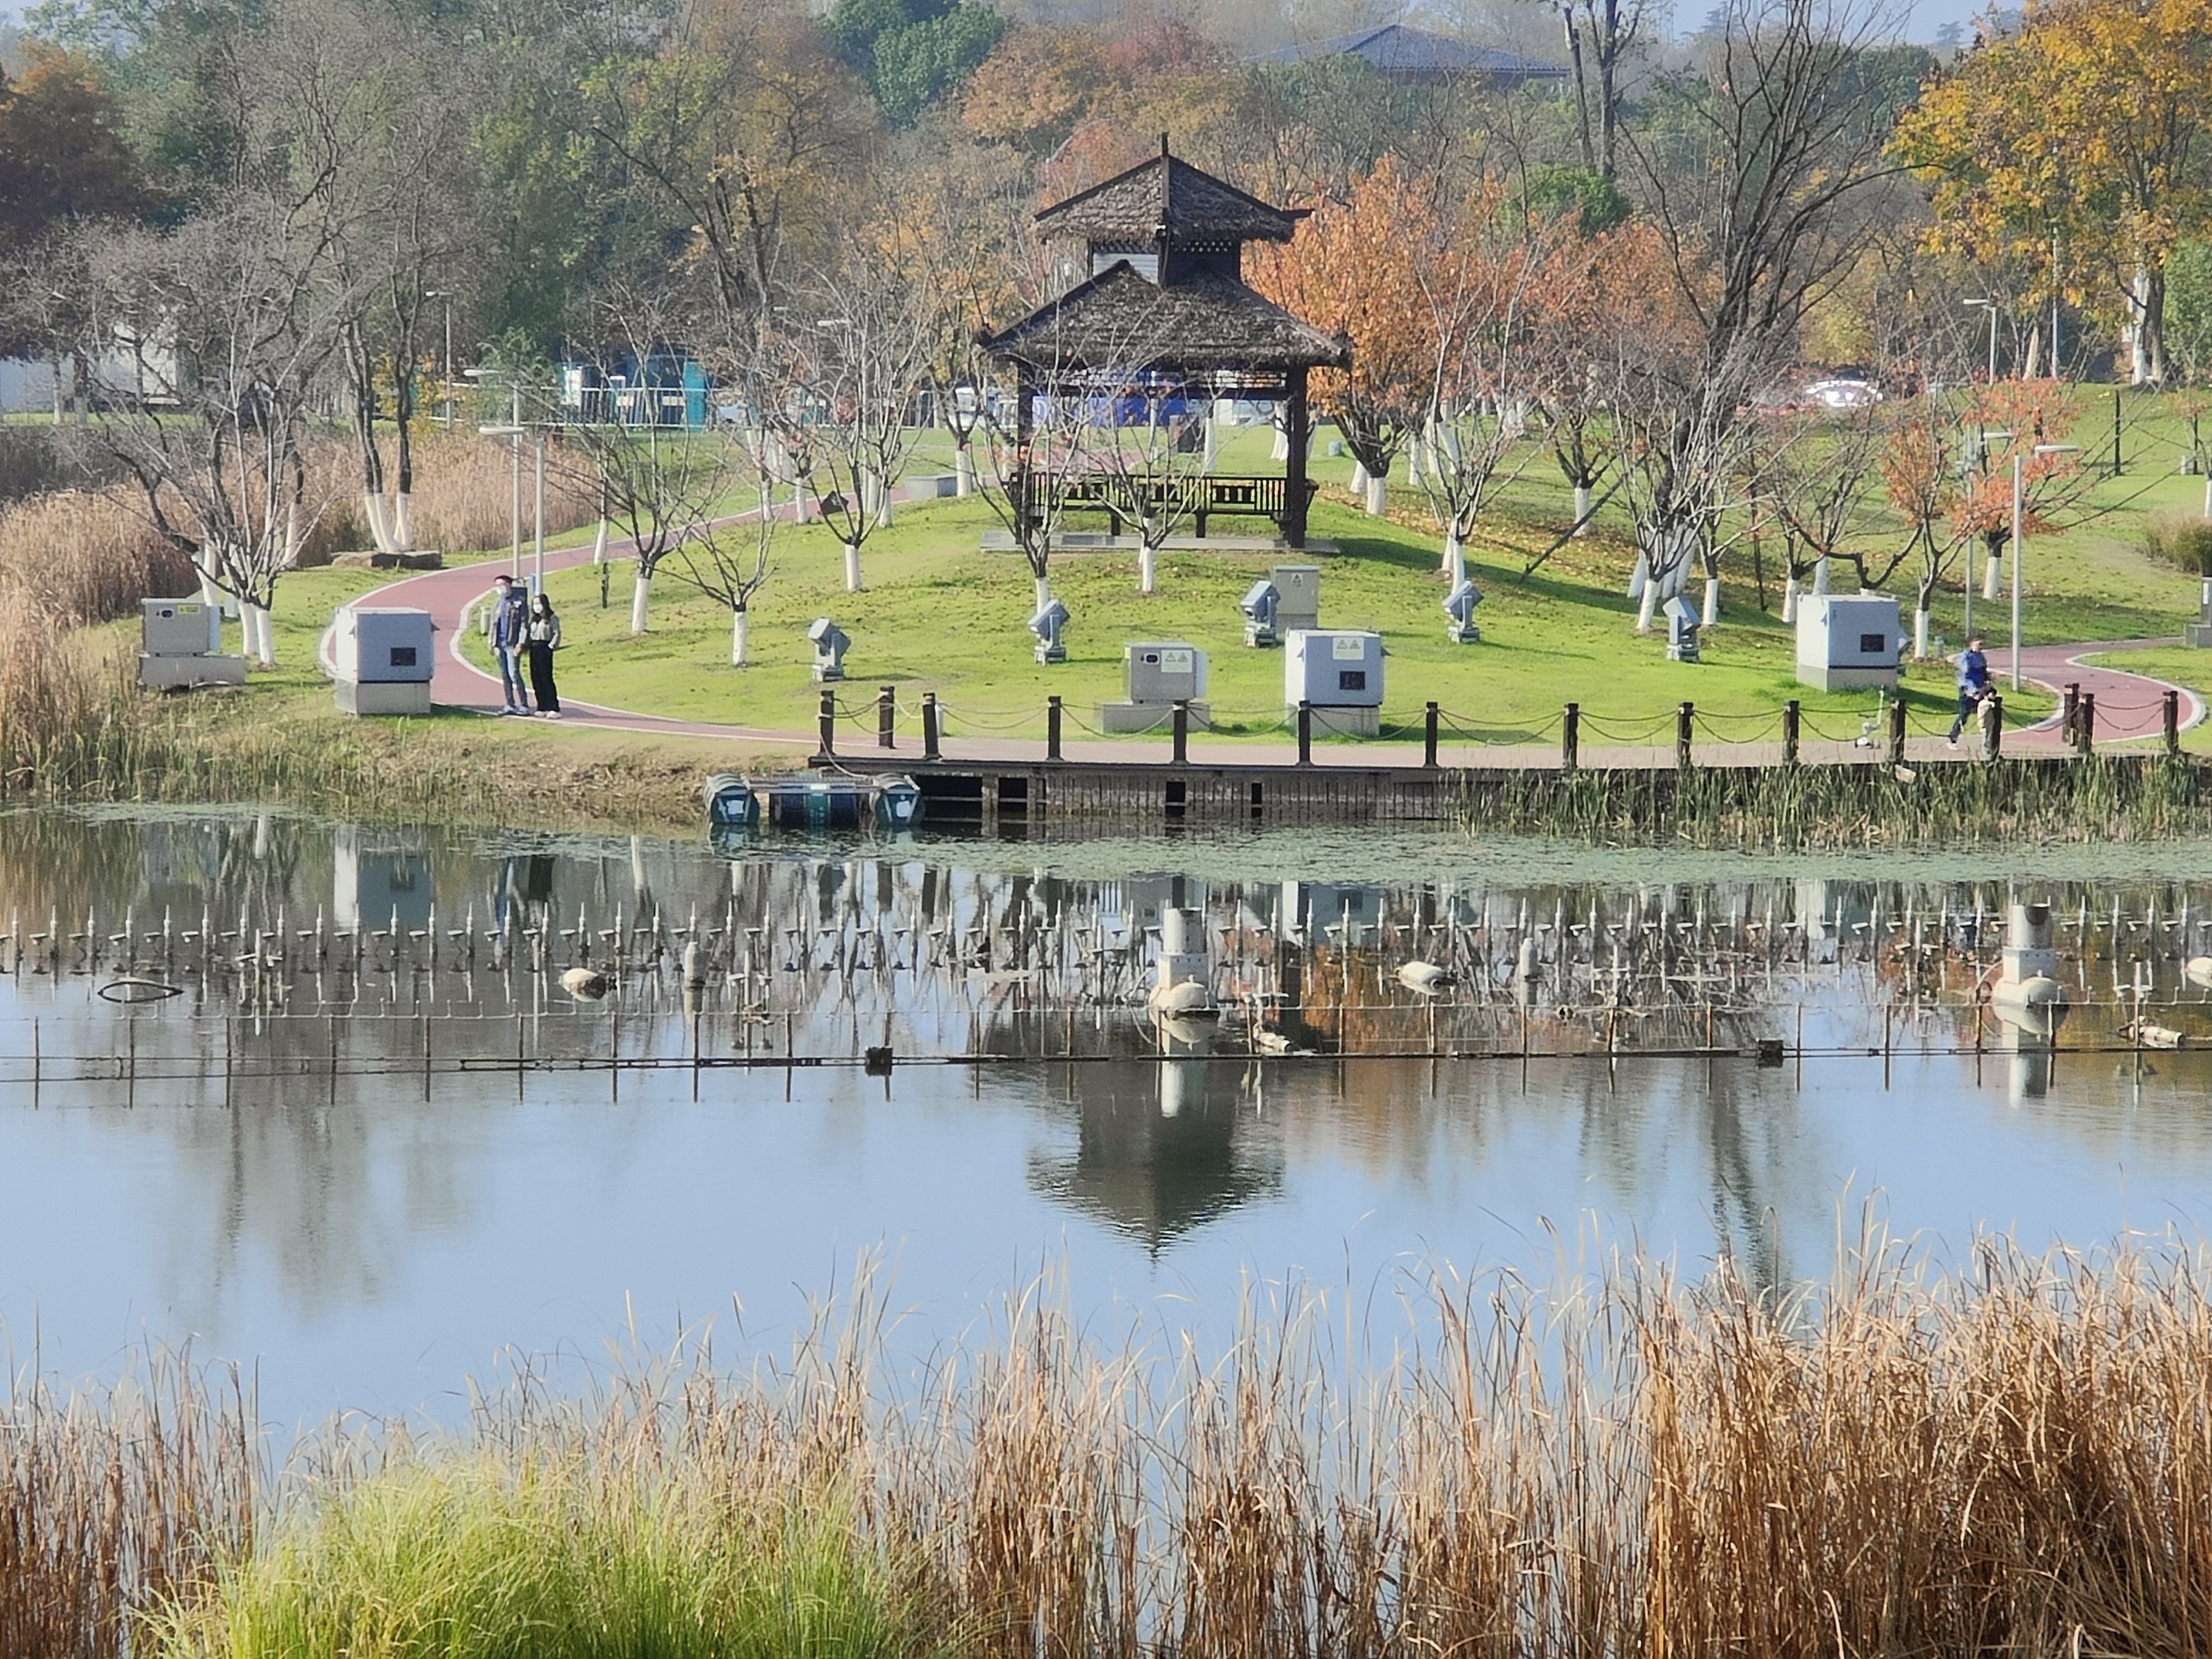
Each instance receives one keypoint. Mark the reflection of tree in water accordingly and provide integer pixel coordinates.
(1156, 1152)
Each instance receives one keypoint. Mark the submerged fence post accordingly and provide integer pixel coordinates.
(1790, 733)
(1178, 729)
(1305, 732)
(1429, 736)
(886, 712)
(2085, 724)
(1570, 737)
(1052, 727)
(2170, 722)
(1684, 714)
(929, 726)
(827, 721)
(1896, 731)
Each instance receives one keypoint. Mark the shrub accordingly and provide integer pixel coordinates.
(2182, 543)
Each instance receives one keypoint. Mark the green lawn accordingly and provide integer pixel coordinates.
(940, 614)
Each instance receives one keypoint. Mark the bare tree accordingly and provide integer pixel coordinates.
(859, 365)
(1602, 36)
(660, 483)
(209, 346)
(1146, 464)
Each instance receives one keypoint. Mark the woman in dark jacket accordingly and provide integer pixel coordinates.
(542, 636)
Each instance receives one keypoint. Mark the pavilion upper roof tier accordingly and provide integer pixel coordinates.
(1167, 197)
(1203, 324)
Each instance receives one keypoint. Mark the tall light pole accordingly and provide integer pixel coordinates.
(2018, 513)
(512, 431)
(441, 294)
(1989, 305)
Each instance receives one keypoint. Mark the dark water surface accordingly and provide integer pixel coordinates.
(321, 1158)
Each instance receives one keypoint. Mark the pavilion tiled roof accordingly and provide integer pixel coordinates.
(1203, 321)
(1166, 191)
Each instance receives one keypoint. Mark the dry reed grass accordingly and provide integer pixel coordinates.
(116, 1503)
(85, 555)
(2013, 1457)
(463, 499)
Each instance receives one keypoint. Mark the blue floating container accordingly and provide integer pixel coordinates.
(814, 803)
(730, 801)
(898, 804)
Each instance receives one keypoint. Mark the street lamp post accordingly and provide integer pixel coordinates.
(1989, 305)
(512, 431)
(2018, 515)
(444, 294)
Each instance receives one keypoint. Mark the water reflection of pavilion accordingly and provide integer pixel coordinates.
(1158, 1152)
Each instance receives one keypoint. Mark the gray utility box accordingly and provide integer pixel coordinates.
(1298, 602)
(2199, 633)
(181, 645)
(1157, 675)
(179, 628)
(1846, 642)
(1339, 672)
(383, 657)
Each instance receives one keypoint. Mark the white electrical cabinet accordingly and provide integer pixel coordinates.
(1848, 641)
(382, 656)
(1157, 675)
(180, 646)
(1340, 673)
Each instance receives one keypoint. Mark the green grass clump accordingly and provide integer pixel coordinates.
(478, 1558)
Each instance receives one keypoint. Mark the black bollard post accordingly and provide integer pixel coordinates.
(1305, 732)
(1052, 728)
(1684, 714)
(886, 712)
(2170, 722)
(2069, 706)
(1896, 731)
(1429, 737)
(1570, 737)
(2085, 724)
(1790, 712)
(1993, 733)
(828, 721)
(1179, 728)
(929, 726)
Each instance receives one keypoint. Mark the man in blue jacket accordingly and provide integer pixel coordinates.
(1973, 686)
(510, 621)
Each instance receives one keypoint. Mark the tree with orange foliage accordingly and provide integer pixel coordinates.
(1921, 464)
(1355, 269)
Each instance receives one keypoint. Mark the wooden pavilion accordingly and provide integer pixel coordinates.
(1153, 296)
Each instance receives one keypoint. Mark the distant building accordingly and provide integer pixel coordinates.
(1412, 54)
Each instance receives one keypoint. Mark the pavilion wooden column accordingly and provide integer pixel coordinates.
(1296, 428)
(1019, 498)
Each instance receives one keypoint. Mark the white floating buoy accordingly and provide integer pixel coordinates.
(586, 984)
(1426, 979)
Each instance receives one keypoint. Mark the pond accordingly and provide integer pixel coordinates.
(331, 1102)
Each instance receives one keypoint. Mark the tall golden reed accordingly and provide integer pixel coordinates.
(2014, 1457)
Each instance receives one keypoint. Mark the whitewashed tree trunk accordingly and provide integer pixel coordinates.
(1043, 593)
(738, 619)
(1212, 455)
(1147, 572)
(640, 594)
(1414, 458)
(802, 510)
(1712, 612)
(1582, 509)
(372, 518)
(600, 543)
(964, 472)
(2141, 367)
(1640, 576)
(402, 522)
(881, 490)
(1993, 577)
(1455, 559)
(852, 567)
(1919, 632)
(1358, 477)
(1280, 450)
(1788, 599)
(260, 642)
(1821, 574)
(1379, 496)
(1646, 603)
(210, 593)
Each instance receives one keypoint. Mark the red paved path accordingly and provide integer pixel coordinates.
(2128, 707)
